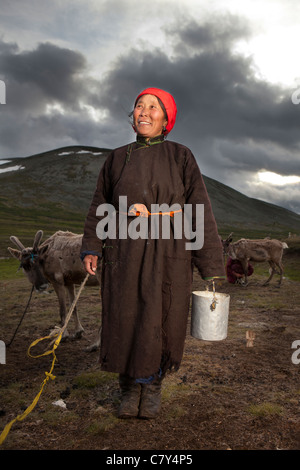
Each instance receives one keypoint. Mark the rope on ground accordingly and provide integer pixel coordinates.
(22, 318)
(58, 335)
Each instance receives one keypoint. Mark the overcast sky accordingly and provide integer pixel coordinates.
(73, 69)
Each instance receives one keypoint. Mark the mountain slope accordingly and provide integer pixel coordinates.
(234, 209)
(53, 190)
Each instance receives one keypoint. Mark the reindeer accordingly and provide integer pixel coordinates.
(55, 261)
(259, 251)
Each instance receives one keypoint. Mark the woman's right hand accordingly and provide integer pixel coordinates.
(90, 264)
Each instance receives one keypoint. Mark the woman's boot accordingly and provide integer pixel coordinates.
(130, 397)
(150, 400)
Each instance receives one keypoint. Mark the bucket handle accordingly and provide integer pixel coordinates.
(214, 301)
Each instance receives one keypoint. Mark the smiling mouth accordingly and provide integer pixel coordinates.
(144, 122)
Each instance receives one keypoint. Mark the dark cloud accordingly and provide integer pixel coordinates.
(51, 72)
(219, 98)
(216, 33)
(45, 89)
(235, 123)
(217, 94)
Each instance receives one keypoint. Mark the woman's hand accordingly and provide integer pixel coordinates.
(90, 264)
(237, 275)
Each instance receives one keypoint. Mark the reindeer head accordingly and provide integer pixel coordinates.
(31, 261)
(226, 244)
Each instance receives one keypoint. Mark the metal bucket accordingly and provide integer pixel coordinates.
(210, 312)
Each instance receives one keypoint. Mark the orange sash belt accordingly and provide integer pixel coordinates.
(141, 210)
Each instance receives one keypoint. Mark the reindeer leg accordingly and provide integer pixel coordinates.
(245, 269)
(96, 344)
(78, 327)
(280, 266)
(271, 275)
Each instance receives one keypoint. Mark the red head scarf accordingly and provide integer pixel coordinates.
(168, 102)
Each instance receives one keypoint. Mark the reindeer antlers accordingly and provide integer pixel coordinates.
(36, 242)
(37, 239)
(229, 236)
(17, 242)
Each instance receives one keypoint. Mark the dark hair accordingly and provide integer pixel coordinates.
(161, 105)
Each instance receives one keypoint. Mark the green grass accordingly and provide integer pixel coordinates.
(265, 409)
(12, 397)
(9, 269)
(244, 232)
(101, 425)
(291, 264)
(24, 222)
(89, 380)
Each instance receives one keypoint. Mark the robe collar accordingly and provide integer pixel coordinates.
(143, 142)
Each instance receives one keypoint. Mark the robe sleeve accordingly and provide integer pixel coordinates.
(90, 242)
(208, 259)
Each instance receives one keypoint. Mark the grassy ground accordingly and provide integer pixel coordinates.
(225, 395)
(24, 223)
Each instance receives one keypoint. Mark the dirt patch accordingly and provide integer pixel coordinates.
(225, 395)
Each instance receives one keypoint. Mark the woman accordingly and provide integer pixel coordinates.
(235, 271)
(146, 281)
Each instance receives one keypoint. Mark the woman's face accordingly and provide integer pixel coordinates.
(148, 116)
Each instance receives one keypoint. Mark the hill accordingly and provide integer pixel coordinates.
(52, 191)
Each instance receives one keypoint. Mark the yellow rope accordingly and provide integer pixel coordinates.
(49, 374)
(33, 404)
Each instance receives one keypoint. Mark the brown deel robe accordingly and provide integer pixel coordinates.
(146, 283)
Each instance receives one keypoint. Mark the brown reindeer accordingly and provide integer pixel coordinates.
(259, 251)
(55, 261)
